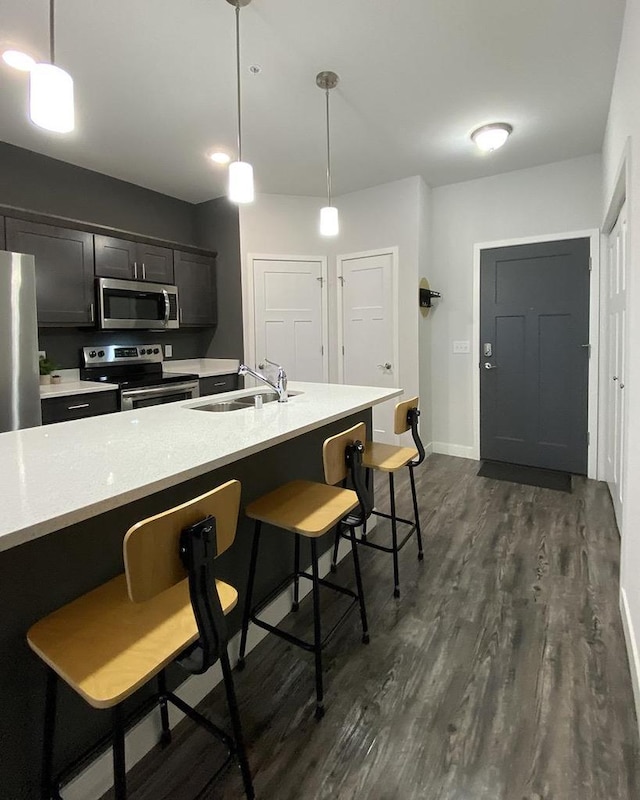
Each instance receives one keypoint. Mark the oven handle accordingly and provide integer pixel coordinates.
(170, 388)
(167, 306)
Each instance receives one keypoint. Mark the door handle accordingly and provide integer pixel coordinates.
(386, 365)
(490, 366)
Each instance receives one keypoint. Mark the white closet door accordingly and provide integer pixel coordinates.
(290, 303)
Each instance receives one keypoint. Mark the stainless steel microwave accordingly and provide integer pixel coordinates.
(123, 305)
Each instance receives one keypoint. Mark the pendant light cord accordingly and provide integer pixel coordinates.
(52, 27)
(328, 152)
(238, 80)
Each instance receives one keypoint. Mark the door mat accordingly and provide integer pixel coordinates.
(530, 476)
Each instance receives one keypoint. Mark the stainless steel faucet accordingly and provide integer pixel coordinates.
(281, 382)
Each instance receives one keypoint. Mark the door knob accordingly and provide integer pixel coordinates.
(490, 366)
(386, 365)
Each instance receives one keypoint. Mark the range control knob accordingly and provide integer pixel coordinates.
(143, 352)
(156, 350)
(100, 353)
(92, 354)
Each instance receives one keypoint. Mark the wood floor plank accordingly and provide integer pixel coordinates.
(499, 674)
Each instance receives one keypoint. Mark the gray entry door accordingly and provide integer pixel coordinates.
(534, 322)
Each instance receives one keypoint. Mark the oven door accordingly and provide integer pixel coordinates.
(124, 305)
(157, 395)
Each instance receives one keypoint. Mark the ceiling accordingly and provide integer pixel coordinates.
(155, 87)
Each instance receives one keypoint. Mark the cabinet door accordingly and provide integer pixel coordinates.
(115, 258)
(196, 281)
(64, 270)
(78, 406)
(218, 383)
(154, 263)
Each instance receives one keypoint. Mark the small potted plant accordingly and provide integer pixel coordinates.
(46, 368)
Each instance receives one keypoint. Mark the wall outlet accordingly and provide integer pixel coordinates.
(42, 354)
(461, 347)
(168, 350)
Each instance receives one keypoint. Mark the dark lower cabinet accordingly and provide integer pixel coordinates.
(218, 383)
(78, 406)
(195, 277)
(124, 259)
(64, 270)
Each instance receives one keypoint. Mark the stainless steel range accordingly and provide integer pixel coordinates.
(137, 369)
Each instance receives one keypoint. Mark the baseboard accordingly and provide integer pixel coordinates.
(428, 449)
(459, 450)
(97, 778)
(632, 650)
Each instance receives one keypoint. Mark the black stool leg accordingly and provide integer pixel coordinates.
(119, 768)
(296, 568)
(368, 474)
(356, 566)
(247, 601)
(394, 537)
(165, 737)
(317, 638)
(336, 545)
(416, 514)
(49, 731)
(235, 723)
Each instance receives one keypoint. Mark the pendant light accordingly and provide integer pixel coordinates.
(240, 172)
(51, 90)
(329, 222)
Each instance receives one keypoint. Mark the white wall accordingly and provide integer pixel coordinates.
(624, 122)
(391, 215)
(555, 198)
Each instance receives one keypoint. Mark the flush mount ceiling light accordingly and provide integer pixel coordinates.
(240, 172)
(491, 137)
(51, 90)
(18, 60)
(329, 222)
(220, 158)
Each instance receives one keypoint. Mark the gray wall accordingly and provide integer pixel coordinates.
(39, 183)
(218, 227)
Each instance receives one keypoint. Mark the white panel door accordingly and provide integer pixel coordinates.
(616, 307)
(369, 336)
(289, 301)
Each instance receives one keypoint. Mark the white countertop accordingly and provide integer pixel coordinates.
(56, 475)
(67, 388)
(203, 367)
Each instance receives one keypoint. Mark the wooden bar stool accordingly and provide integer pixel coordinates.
(310, 509)
(166, 606)
(390, 459)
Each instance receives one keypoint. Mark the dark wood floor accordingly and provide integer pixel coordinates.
(500, 673)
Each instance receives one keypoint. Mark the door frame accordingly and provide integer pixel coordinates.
(340, 259)
(249, 306)
(593, 235)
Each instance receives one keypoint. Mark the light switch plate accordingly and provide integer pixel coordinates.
(168, 350)
(461, 347)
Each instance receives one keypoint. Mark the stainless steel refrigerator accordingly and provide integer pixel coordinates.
(19, 371)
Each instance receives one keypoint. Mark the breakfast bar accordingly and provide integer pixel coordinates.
(71, 491)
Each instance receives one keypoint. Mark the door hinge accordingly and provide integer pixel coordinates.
(590, 263)
(321, 282)
(341, 279)
(588, 438)
(342, 349)
(321, 349)
(588, 349)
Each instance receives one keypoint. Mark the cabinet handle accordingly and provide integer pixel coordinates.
(180, 313)
(135, 270)
(223, 383)
(80, 405)
(144, 272)
(91, 311)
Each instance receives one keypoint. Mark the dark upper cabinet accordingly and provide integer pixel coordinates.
(2, 238)
(120, 258)
(195, 277)
(64, 270)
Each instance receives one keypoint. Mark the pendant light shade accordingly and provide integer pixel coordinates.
(329, 221)
(241, 182)
(51, 98)
(51, 90)
(240, 172)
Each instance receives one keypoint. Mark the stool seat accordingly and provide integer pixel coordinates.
(387, 457)
(304, 507)
(105, 647)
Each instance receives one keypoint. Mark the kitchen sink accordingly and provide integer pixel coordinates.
(240, 403)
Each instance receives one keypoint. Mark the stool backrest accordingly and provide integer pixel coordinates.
(152, 547)
(401, 422)
(333, 452)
